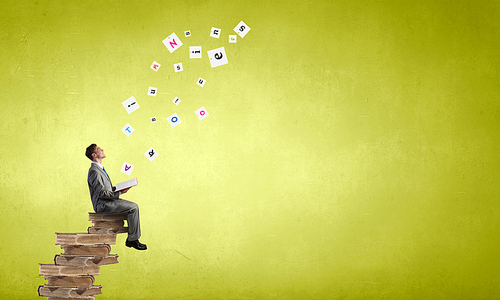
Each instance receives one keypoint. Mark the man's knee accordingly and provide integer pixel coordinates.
(134, 207)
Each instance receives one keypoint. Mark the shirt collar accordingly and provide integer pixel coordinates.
(98, 164)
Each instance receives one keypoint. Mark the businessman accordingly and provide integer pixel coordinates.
(106, 200)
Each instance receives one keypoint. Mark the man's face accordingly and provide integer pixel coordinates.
(99, 153)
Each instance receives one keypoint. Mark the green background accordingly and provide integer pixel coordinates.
(350, 152)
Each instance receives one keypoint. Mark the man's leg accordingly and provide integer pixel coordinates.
(134, 225)
(132, 210)
(124, 206)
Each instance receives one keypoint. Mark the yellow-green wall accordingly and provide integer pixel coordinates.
(351, 148)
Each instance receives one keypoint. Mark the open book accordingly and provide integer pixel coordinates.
(126, 184)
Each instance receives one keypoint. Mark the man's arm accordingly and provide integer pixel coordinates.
(98, 186)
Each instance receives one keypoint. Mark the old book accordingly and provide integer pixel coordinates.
(108, 224)
(94, 230)
(72, 298)
(107, 227)
(50, 291)
(106, 216)
(71, 260)
(54, 270)
(84, 239)
(70, 281)
(86, 250)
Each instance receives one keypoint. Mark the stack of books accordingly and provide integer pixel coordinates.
(72, 274)
(107, 223)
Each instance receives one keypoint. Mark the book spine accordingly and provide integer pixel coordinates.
(70, 281)
(86, 250)
(106, 217)
(71, 260)
(98, 230)
(72, 298)
(108, 224)
(55, 270)
(47, 291)
(84, 239)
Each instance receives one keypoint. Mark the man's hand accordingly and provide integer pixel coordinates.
(125, 190)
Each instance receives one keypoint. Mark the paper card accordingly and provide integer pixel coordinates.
(232, 38)
(174, 120)
(155, 66)
(130, 104)
(217, 57)
(187, 33)
(152, 91)
(241, 29)
(151, 154)
(200, 82)
(127, 168)
(153, 119)
(178, 67)
(201, 113)
(195, 52)
(177, 101)
(172, 42)
(215, 32)
(128, 129)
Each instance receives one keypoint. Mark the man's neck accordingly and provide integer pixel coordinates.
(97, 160)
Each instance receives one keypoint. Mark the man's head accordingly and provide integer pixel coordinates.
(95, 153)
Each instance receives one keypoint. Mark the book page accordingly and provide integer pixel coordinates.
(126, 184)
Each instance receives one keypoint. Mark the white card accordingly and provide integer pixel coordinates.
(130, 104)
(232, 38)
(152, 91)
(151, 154)
(201, 113)
(187, 33)
(177, 101)
(153, 119)
(172, 42)
(128, 129)
(127, 168)
(215, 32)
(195, 52)
(174, 120)
(178, 67)
(241, 29)
(201, 82)
(217, 57)
(155, 66)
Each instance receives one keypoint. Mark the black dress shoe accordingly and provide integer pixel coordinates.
(135, 244)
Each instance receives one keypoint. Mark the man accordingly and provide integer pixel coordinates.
(106, 200)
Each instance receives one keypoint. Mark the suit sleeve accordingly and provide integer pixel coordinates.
(97, 184)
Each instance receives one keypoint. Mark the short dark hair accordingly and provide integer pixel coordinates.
(90, 149)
